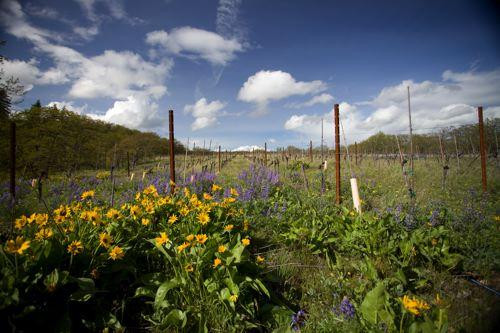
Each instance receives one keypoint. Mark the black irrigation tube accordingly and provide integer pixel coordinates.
(477, 283)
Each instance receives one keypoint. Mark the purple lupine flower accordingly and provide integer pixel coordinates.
(298, 320)
(345, 309)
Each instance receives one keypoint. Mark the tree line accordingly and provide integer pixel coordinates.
(58, 140)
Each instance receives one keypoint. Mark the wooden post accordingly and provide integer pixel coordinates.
(128, 165)
(13, 161)
(113, 165)
(337, 154)
(265, 154)
(456, 152)
(219, 158)
(355, 153)
(310, 150)
(172, 153)
(482, 147)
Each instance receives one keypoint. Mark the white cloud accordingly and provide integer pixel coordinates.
(318, 99)
(265, 86)
(205, 113)
(124, 75)
(228, 22)
(452, 101)
(70, 106)
(196, 43)
(138, 111)
(29, 75)
(248, 148)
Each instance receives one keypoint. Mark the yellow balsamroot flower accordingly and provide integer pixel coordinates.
(190, 237)
(217, 262)
(116, 253)
(91, 216)
(201, 239)
(182, 247)
(75, 247)
(189, 268)
(245, 241)
(172, 219)
(44, 233)
(105, 240)
(145, 221)
(42, 219)
(207, 196)
(151, 189)
(203, 218)
(17, 246)
(186, 192)
(221, 249)
(234, 192)
(87, 194)
(135, 211)
(216, 187)
(21, 222)
(32, 218)
(162, 239)
(61, 213)
(414, 305)
(184, 211)
(233, 298)
(113, 214)
(260, 259)
(228, 227)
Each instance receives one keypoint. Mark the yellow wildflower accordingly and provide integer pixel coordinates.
(21, 222)
(151, 189)
(145, 221)
(162, 239)
(234, 192)
(233, 298)
(184, 211)
(135, 211)
(113, 214)
(172, 219)
(207, 196)
(116, 253)
(87, 195)
(61, 214)
(260, 259)
(182, 247)
(18, 246)
(186, 192)
(203, 218)
(217, 262)
(201, 239)
(215, 187)
(44, 233)
(414, 305)
(105, 240)
(245, 241)
(189, 268)
(75, 247)
(190, 237)
(221, 249)
(42, 219)
(228, 227)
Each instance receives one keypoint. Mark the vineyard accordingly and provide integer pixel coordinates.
(128, 239)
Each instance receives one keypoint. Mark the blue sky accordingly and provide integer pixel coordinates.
(241, 73)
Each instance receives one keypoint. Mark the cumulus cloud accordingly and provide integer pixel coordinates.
(70, 106)
(248, 148)
(318, 99)
(205, 113)
(196, 44)
(266, 86)
(124, 75)
(137, 111)
(449, 102)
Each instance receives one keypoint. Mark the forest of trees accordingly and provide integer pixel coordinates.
(52, 140)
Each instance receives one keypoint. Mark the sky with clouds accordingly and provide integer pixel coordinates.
(243, 72)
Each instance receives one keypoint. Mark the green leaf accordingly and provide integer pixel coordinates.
(163, 290)
(374, 302)
(175, 317)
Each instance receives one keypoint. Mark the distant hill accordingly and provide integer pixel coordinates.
(52, 140)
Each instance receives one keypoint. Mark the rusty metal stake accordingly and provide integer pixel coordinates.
(337, 154)
(172, 153)
(482, 147)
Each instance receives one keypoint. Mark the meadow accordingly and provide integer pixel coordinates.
(253, 247)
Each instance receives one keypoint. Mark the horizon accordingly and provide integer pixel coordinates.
(242, 73)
